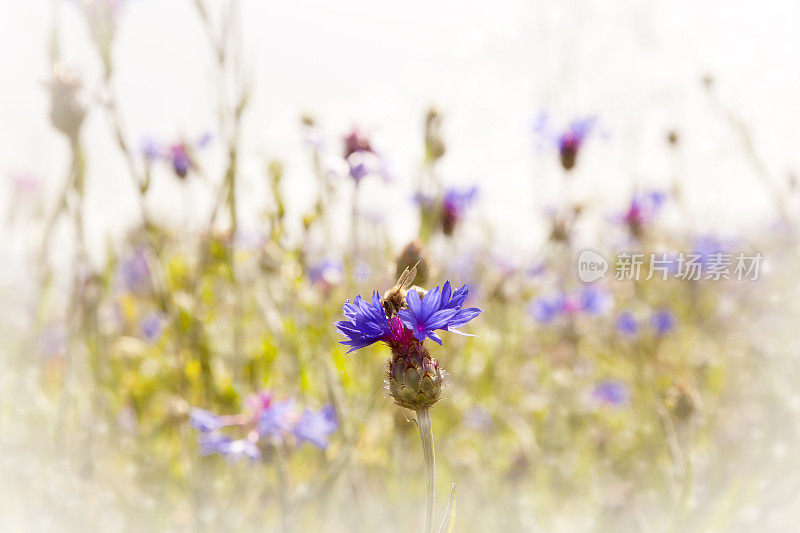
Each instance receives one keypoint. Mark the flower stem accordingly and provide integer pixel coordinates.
(426, 435)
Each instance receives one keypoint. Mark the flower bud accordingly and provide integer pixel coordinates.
(66, 111)
(413, 378)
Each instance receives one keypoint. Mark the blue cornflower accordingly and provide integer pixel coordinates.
(626, 324)
(366, 323)
(546, 309)
(276, 419)
(643, 208)
(234, 450)
(594, 300)
(662, 321)
(326, 273)
(316, 427)
(152, 326)
(177, 154)
(133, 272)
(454, 204)
(611, 392)
(440, 308)
(205, 421)
(568, 141)
(589, 300)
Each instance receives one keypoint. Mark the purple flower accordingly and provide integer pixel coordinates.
(152, 326)
(589, 300)
(594, 300)
(569, 141)
(178, 154)
(134, 272)
(439, 309)
(546, 309)
(708, 246)
(626, 324)
(234, 450)
(662, 321)
(366, 323)
(478, 419)
(276, 419)
(454, 203)
(316, 427)
(179, 157)
(205, 421)
(643, 208)
(326, 273)
(611, 392)
(356, 141)
(150, 149)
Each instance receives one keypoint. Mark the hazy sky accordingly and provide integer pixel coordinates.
(489, 66)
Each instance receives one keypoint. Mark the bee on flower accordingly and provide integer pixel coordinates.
(403, 319)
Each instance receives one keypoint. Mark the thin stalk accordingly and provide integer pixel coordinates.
(426, 436)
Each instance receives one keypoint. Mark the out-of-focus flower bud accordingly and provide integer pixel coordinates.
(434, 144)
(683, 400)
(66, 110)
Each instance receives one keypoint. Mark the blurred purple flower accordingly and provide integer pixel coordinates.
(643, 208)
(569, 141)
(356, 141)
(133, 272)
(205, 421)
(152, 326)
(316, 427)
(536, 270)
(626, 324)
(595, 300)
(177, 154)
(454, 204)
(663, 321)
(707, 246)
(589, 300)
(545, 309)
(234, 450)
(276, 419)
(326, 273)
(478, 419)
(611, 392)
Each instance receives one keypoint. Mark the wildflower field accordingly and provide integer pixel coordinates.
(337, 340)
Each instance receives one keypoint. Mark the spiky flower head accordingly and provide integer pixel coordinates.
(454, 204)
(414, 378)
(569, 141)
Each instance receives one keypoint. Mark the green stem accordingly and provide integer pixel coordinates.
(426, 436)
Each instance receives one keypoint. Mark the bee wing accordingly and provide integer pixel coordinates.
(407, 278)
